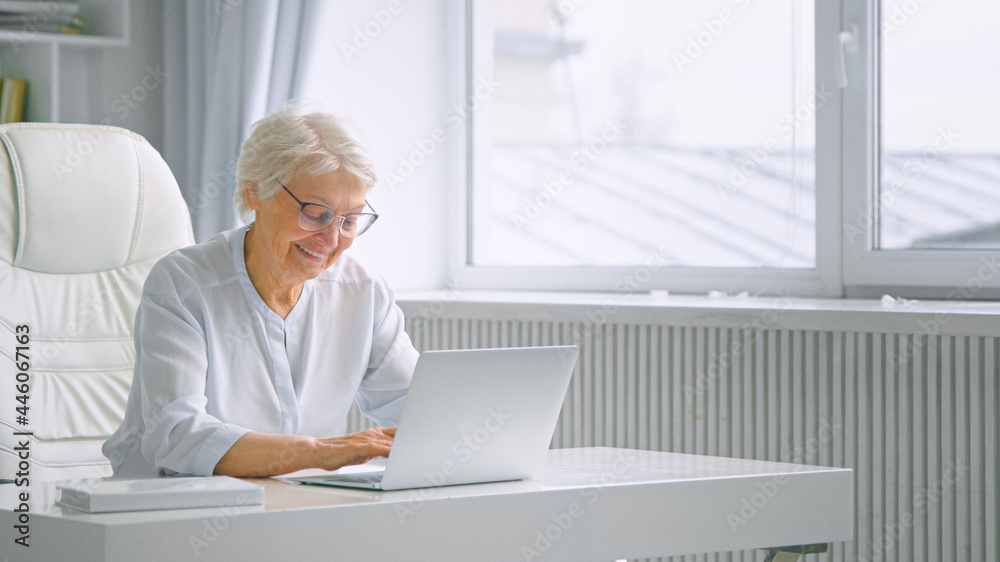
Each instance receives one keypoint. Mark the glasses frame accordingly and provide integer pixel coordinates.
(304, 218)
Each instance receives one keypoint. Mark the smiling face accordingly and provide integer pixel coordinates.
(289, 254)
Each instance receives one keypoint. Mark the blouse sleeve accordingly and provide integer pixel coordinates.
(172, 361)
(382, 392)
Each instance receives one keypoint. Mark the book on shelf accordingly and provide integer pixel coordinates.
(44, 23)
(99, 495)
(13, 93)
(23, 20)
(50, 16)
(32, 7)
(53, 27)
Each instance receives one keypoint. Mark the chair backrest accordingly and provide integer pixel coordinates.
(85, 212)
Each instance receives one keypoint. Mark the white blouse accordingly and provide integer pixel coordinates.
(213, 362)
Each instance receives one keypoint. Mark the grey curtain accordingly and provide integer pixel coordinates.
(228, 63)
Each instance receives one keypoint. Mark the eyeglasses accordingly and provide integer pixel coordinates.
(315, 217)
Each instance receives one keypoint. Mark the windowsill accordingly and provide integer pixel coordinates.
(975, 318)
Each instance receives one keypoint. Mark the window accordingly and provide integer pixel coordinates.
(940, 81)
(921, 153)
(731, 146)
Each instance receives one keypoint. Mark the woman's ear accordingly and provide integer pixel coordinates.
(251, 195)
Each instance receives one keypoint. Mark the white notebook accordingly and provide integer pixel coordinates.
(99, 495)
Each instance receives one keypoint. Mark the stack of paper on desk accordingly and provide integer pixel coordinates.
(100, 495)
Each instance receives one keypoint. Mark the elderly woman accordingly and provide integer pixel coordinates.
(252, 346)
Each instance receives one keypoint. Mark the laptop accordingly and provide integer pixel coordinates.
(472, 416)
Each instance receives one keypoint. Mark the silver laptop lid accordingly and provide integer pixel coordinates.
(479, 415)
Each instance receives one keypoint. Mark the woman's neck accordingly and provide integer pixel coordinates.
(280, 296)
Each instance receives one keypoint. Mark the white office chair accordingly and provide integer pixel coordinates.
(85, 212)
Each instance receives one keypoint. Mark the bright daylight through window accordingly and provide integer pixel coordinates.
(620, 130)
(940, 129)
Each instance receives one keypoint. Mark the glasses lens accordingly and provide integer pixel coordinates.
(315, 217)
(356, 224)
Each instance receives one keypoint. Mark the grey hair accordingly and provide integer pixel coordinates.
(292, 141)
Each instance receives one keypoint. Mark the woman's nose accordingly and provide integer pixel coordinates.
(330, 236)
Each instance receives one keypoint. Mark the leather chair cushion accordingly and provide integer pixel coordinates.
(85, 212)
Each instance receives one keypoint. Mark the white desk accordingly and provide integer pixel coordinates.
(589, 504)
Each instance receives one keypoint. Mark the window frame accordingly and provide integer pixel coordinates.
(846, 178)
(870, 272)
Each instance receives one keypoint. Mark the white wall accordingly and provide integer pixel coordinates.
(395, 89)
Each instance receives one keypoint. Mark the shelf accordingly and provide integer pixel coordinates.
(47, 60)
(12, 38)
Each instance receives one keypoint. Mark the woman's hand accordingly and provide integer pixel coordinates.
(268, 454)
(353, 448)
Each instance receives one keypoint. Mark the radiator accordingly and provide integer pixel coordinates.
(914, 414)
